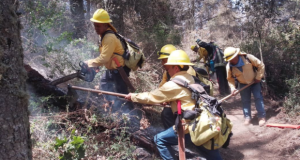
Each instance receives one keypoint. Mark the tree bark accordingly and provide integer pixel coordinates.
(88, 9)
(15, 140)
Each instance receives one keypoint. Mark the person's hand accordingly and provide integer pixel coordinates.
(165, 103)
(128, 97)
(256, 81)
(234, 92)
(97, 69)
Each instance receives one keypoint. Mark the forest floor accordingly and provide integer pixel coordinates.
(253, 142)
(250, 142)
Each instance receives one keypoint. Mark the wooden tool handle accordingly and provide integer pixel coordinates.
(98, 91)
(181, 145)
(223, 99)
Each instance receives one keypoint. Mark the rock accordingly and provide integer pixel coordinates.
(142, 154)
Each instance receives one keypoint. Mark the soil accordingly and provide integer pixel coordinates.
(253, 142)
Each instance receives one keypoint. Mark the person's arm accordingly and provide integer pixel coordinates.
(107, 50)
(164, 79)
(259, 65)
(204, 55)
(166, 93)
(230, 78)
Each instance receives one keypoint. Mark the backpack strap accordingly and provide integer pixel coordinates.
(199, 94)
(247, 59)
(254, 68)
(196, 88)
(123, 42)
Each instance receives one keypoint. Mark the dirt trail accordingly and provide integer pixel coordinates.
(260, 143)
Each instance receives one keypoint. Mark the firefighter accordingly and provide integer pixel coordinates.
(177, 66)
(110, 50)
(246, 68)
(213, 59)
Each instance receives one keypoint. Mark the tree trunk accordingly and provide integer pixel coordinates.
(88, 9)
(264, 85)
(76, 7)
(15, 140)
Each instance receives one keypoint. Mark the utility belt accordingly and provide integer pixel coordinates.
(123, 74)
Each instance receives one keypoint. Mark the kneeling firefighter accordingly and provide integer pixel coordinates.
(167, 116)
(178, 64)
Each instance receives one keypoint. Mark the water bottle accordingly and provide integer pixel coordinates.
(212, 65)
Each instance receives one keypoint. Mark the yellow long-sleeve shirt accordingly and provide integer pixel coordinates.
(203, 55)
(247, 75)
(192, 72)
(110, 45)
(169, 92)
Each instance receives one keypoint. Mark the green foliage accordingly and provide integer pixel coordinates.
(165, 35)
(44, 104)
(292, 101)
(70, 148)
(280, 51)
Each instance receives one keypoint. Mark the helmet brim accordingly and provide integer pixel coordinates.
(163, 57)
(233, 56)
(179, 63)
(96, 21)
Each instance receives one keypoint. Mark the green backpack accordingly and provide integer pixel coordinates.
(208, 124)
(133, 56)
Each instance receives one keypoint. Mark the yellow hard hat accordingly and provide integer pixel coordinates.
(101, 16)
(165, 51)
(179, 57)
(230, 53)
(193, 47)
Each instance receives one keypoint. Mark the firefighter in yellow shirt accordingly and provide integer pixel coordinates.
(110, 50)
(246, 68)
(167, 115)
(177, 66)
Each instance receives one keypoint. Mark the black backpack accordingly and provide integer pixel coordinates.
(214, 53)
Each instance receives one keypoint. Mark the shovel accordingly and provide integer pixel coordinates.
(225, 98)
(73, 95)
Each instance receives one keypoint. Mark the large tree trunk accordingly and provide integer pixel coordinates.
(15, 140)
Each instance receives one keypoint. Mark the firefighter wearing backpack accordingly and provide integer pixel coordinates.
(177, 66)
(111, 80)
(167, 116)
(213, 58)
(246, 68)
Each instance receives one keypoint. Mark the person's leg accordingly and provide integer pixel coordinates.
(121, 87)
(107, 84)
(222, 80)
(246, 100)
(226, 85)
(203, 152)
(164, 140)
(167, 118)
(209, 154)
(258, 97)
